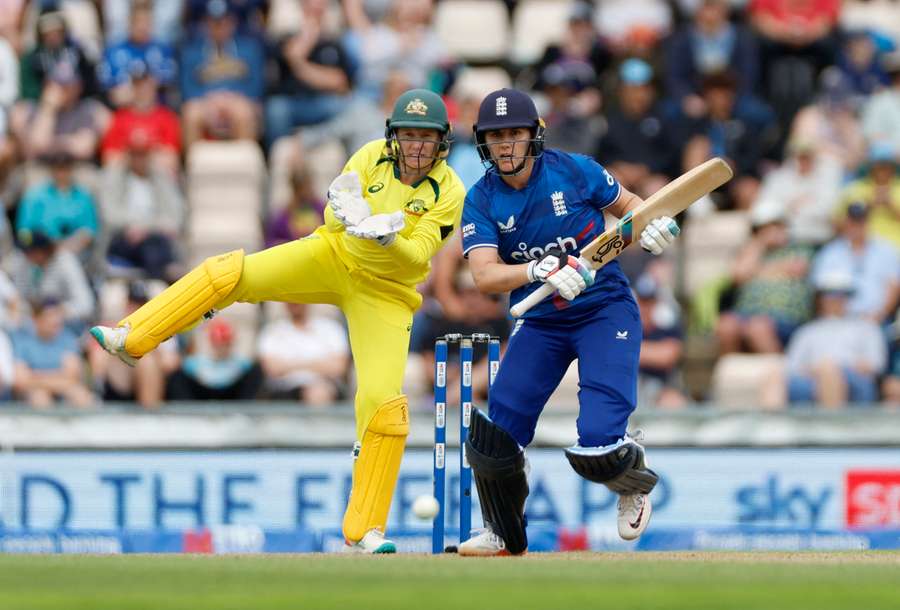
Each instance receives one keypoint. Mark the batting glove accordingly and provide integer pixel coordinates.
(382, 228)
(567, 274)
(346, 200)
(659, 234)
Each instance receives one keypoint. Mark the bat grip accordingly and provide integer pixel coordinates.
(519, 309)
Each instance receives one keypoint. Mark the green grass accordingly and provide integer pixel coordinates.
(695, 581)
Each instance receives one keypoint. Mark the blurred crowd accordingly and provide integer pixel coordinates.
(784, 289)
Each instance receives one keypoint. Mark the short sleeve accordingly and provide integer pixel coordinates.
(602, 187)
(478, 230)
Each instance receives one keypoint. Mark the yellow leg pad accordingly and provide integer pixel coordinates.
(376, 469)
(183, 303)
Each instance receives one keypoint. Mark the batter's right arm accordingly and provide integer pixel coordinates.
(492, 275)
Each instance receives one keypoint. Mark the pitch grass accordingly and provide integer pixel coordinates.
(582, 581)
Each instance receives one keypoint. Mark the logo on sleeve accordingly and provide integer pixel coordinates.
(468, 230)
(622, 335)
(509, 226)
(559, 203)
(500, 108)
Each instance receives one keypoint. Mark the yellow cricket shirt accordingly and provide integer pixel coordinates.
(431, 208)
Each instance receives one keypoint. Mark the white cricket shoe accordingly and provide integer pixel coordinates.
(485, 544)
(113, 341)
(373, 543)
(634, 515)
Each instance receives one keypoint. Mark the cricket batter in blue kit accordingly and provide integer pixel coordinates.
(523, 224)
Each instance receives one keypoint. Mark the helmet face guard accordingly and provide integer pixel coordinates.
(508, 109)
(535, 148)
(441, 145)
(419, 109)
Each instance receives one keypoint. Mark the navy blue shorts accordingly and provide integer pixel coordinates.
(607, 344)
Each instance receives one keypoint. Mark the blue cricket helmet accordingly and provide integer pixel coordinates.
(508, 109)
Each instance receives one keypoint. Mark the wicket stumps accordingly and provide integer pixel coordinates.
(466, 352)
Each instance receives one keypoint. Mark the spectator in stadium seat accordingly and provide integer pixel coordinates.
(54, 46)
(302, 215)
(633, 28)
(879, 189)
(62, 119)
(890, 385)
(250, 15)
(873, 264)
(220, 375)
(48, 360)
(580, 49)
(143, 210)
(60, 208)
(859, 63)
(830, 122)
(725, 132)
(572, 127)
(221, 79)
(143, 113)
(156, 59)
(404, 39)
(41, 271)
(808, 185)
(315, 74)
(881, 111)
(166, 19)
(837, 357)
(771, 295)
(707, 45)
(358, 124)
(662, 347)
(798, 39)
(639, 146)
(145, 383)
(304, 357)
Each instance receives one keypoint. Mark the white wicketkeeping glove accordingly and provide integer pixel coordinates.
(659, 234)
(567, 274)
(382, 228)
(346, 200)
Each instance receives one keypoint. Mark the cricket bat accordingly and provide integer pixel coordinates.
(670, 200)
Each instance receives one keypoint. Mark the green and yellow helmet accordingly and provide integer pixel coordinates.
(421, 109)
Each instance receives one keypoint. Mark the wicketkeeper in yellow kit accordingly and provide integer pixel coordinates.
(392, 208)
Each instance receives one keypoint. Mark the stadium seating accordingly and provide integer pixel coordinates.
(738, 378)
(711, 243)
(537, 23)
(473, 30)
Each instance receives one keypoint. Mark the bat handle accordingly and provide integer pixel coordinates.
(518, 310)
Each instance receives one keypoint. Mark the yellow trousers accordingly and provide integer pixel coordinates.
(308, 271)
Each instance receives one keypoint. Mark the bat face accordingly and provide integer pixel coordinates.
(610, 245)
